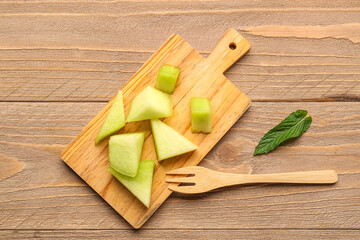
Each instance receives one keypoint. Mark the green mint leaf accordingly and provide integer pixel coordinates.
(291, 127)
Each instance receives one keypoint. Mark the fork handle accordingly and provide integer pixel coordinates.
(309, 177)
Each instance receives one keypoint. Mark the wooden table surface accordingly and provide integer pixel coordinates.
(62, 60)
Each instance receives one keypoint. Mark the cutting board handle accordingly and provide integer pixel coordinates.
(231, 48)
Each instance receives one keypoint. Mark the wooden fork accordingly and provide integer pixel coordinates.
(205, 179)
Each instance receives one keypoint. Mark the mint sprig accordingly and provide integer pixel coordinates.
(291, 127)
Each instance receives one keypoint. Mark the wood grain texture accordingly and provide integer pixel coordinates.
(46, 194)
(246, 234)
(199, 77)
(302, 51)
(72, 51)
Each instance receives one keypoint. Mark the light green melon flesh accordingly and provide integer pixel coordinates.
(148, 104)
(200, 115)
(114, 121)
(140, 185)
(167, 77)
(125, 152)
(168, 142)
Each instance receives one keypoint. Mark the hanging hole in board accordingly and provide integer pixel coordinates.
(232, 46)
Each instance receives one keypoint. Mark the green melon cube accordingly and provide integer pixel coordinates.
(168, 142)
(167, 77)
(148, 104)
(114, 121)
(200, 115)
(125, 152)
(140, 185)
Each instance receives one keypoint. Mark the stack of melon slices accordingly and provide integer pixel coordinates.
(125, 149)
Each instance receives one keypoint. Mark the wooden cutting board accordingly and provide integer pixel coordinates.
(199, 77)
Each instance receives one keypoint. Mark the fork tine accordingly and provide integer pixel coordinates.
(184, 170)
(183, 189)
(180, 180)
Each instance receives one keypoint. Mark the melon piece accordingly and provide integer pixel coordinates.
(200, 115)
(140, 185)
(114, 121)
(168, 142)
(167, 77)
(148, 104)
(125, 152)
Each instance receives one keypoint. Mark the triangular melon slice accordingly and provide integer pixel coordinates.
(125, 152)
(168, 142)
(148, 104)
(141, 184)
(114, 121)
